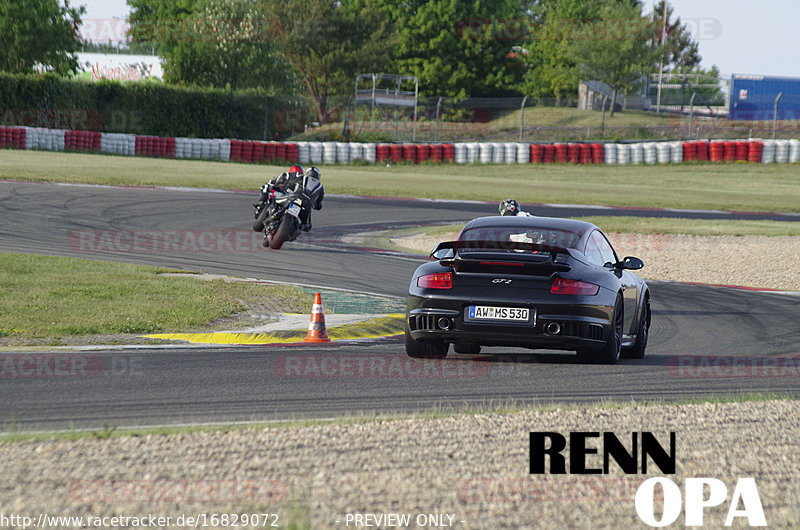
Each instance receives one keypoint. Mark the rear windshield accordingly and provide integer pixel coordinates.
(538, 236)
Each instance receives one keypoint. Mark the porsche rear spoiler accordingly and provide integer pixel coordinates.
(496, 253)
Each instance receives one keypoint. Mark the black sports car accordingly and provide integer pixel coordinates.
(533, 282)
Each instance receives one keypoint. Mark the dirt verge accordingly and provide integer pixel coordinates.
(474, 468)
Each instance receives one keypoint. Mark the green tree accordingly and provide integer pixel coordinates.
(218, 43)
(225, 44)
(456, 48)
(39, 34)
(617, 48)
(682, 51)
(328, 42)
(160, 23)
(552, 70)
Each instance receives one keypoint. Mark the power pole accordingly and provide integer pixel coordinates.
(661, 62)
(775, 115)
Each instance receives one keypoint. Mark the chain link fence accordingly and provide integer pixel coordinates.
(514, 119)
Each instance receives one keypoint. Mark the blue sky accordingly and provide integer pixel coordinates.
(751, 37)
(739, 36)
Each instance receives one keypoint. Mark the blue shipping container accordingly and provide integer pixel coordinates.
(753, 97)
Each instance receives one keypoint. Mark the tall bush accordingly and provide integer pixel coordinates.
(141, 108)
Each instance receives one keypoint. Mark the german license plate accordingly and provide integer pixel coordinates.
(294, 210)
(481, 312)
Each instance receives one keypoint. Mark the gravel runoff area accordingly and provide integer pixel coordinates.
(473, 468)
(752, 261)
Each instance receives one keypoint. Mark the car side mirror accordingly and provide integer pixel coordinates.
(630, 263)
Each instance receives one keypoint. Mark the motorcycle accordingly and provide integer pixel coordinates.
(281, 216)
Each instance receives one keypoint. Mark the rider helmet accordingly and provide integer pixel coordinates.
(509, 207)
(296, 171)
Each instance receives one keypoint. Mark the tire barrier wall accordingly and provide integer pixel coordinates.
(118, 144)
(45, 139)
(88, 141)
(250, 151)
(13, 138)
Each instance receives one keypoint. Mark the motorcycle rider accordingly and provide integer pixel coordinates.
(287, 182)
(511, 207)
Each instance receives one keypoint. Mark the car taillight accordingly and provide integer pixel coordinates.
(564, 286)
(440, 280)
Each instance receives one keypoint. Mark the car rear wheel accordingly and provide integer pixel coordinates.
(637, 350)
(420, 349)
(467, 348)
(610, 351)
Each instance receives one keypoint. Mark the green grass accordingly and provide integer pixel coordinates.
(692, 186)
(573, 117)
(740, 186)
(651, 225)
(540, 123)
(120, 170)
(504, 121)
(49, 297)
(13, 434)
(709, 227)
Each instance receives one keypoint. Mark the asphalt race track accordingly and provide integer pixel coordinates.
(704, 340)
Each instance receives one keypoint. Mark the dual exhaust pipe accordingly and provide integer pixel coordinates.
(445, 323)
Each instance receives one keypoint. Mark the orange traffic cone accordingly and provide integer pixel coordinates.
(316, 326)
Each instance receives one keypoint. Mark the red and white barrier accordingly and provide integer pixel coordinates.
(118, 144)
(203, 149)
(251, 151)
(155, 146)
(44, 139)
(12, 137)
